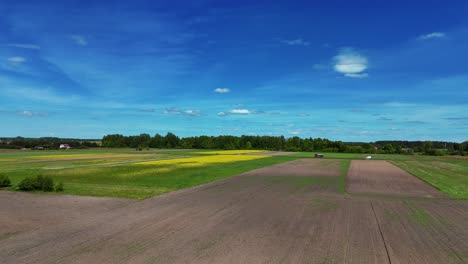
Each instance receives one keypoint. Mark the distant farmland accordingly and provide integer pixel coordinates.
(277, 207)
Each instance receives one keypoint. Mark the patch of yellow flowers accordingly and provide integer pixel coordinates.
(230, 152)
(201, 160)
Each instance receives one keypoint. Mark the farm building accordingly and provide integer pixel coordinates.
(64, 146)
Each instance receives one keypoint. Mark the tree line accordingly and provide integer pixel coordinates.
(46, 143)
(226, 142)
(170, 140)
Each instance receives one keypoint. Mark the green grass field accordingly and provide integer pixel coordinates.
(141, 174)
(128, 173)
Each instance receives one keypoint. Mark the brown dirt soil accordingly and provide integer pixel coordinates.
(246, 219)
(21, 212)
(418, 231)
(302, 167)
(382, 177)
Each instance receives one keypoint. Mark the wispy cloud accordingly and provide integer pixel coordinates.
(222, 90)
(433, 35)
(350, 63)
(30, 114)
(237, 112)
(24, 46)
(79, 39)
(303, 114)
(17, 59)
(178, 111)
(357, 75)
(295, 42)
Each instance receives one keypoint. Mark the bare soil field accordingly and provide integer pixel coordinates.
(382, 177)
(302, 167)
(250, 218)
(22, 212)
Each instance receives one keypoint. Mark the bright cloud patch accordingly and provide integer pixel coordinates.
(357, 75)
(80, 40)
(222, 90)
(296, 42)
(350, 63)
(240, 112)
(178, 111)
(237, 112)
(24, 46)
(29, 114)
(16, 59)
(432, 35)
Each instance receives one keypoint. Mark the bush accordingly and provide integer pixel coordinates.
(27, 184)
(59, 187)
(47, 184)
(39, 183)
(4, 181)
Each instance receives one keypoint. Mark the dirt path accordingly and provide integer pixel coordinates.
(382, 177)
(252, 218)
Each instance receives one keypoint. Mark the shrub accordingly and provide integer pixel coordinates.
(59, 187)
(39, 183)
(4, 181)
(27, 184)
(47, 184)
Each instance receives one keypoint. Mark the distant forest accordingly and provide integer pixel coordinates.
(170, 140)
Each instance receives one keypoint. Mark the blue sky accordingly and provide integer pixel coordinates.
(355, 71)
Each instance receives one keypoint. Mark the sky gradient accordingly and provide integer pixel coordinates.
(361, 71)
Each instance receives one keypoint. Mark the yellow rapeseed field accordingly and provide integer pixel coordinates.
(230, 152)
(201, 160)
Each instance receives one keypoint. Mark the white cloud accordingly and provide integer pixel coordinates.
(192, 112)
(240, 112)
(357, 75)
(296, 42)
(29, 113)
(24, 46)
(16, 59)
(79, 39)
(178, 111)
(351, 63)
(25, 113)
(222, 90)
(294, 132)
(432, 35)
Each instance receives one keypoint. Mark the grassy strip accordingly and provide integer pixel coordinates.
(451, 177)
(344, 171)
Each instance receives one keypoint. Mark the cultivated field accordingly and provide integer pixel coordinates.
(382, 177)
(131, 174)
(278, 209)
